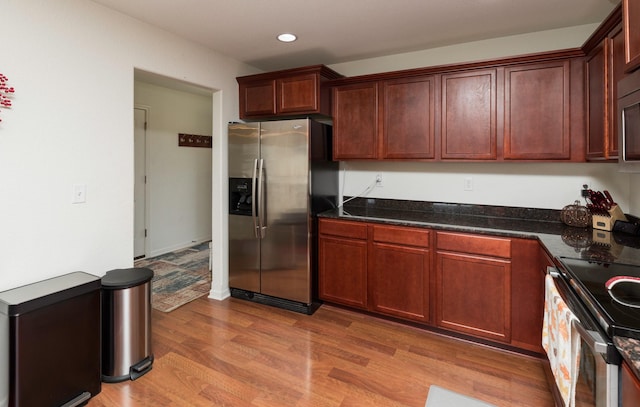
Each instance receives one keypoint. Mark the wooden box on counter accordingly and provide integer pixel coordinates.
(606, 222)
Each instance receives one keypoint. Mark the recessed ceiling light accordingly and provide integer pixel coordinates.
(287, 37)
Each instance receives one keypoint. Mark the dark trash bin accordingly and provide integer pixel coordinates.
(126, 324)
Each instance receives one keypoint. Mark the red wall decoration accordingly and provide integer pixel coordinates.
(5, 90)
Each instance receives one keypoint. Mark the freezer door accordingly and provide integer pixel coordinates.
(244, 245)
(285, 244)
(244, 148)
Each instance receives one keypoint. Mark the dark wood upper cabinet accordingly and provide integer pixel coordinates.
(605, 66)
(392, 119)
(408, 118)
(355, 120)
(523, 108)
(537, 112)
(631, 21)
(469, 115)
(291, 92)
(597, 129)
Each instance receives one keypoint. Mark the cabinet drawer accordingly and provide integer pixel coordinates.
(401, 235)
(355, 230)
(484, 245)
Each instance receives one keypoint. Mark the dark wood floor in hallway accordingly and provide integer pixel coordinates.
(237, 353)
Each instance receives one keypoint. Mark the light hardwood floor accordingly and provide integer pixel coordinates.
(237, 353)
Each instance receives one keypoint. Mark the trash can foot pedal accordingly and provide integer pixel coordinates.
(141, 367)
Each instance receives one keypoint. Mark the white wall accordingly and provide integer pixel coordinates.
(72, 65)
(178, 178)
(538, 185)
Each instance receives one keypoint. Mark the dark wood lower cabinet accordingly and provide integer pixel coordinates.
(528, 265)
(399, 281)
(629, 387)
(483, 286)
(342, 264)
(474, 295)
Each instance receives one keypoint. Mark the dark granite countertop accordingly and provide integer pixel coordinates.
(559, 239)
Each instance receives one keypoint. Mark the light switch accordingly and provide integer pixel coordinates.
(79, 193)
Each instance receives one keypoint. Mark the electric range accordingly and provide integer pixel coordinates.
(617, 310)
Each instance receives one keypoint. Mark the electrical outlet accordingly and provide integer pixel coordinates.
(379, 180)
(583, 191)
(468, 184)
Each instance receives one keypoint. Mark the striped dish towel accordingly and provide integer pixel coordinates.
(561, 342)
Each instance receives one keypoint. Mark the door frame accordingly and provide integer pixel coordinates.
(146, 205)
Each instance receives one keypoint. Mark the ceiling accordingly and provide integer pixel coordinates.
(334, 31)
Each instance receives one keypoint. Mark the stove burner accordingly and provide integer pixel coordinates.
(625, 294)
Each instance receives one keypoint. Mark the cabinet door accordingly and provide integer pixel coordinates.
(407, 111)
(538, 112)
(298, 94)
(616, 43)
(631, 20)
(342, 271)
(604, 68)
(399, 272)
(473, 295)
(399, 281)
(355, 121)
(597, 98)
(257, 98)
(469, 115)
(629, 387)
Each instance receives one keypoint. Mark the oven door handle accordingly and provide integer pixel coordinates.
(592, 338)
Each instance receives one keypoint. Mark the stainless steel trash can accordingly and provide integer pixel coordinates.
(126, 324)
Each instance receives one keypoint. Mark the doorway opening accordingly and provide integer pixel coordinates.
(173, 183)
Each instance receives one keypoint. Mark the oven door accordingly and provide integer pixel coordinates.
(597, 383)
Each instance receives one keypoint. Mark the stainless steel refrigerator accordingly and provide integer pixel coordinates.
(280, 176)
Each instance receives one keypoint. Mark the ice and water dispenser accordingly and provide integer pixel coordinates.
(240, 199)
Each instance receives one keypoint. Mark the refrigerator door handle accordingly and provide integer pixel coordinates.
(253, 198)
(261, 203)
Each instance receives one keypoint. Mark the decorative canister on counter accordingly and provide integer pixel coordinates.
(576, 215)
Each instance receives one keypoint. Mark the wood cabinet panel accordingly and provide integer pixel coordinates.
(355, 121)
(596, 69)
(408, 116)
(399, 281)
(469, 115)
(538, 112)
(355, 230)
(474, 244)
(258, 98)
(528, 266)
(604, 67)
(473, 295)
(631, 20)
(616, 43)
(629, 387)
(298, 94)
(401, 235)
(342, 271)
